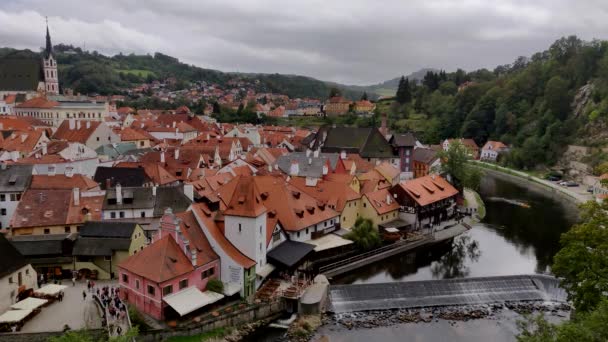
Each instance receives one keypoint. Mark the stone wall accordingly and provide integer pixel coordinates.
(234, 319)
(98, 334)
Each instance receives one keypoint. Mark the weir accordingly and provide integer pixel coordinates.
(446, 292)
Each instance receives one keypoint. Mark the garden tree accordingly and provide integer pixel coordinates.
(333, 92)
(454, 162)
(582, 263)
(364, 96)
(364, 235)
(589, 326)
(448, 88)
(403, 94)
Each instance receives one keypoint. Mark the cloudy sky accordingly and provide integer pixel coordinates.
(349, 41)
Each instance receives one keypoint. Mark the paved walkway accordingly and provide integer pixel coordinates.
(579, 194)
(446, 292)
(73, 311)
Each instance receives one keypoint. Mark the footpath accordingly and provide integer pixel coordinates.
(578, 194)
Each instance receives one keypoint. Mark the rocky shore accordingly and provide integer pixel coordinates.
(373, 319)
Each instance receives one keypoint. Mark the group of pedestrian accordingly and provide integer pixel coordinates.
(117, 311)
(60, 296)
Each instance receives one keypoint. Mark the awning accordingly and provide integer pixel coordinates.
(329, 241)
(231, 288)
(289, 253)
(29, 303)
(391, 230)
(265, 270)
(50, 290)
(14, 316)
(191, 299)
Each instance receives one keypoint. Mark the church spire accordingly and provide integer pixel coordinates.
(49, 47)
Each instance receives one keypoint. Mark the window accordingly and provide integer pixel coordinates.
(27, 272)
(67, 230)
(137, 284)
(260, 230)
(122, 214)
(364, 205)
(325, 224)
(151, 290)
(332, 221)
(47, 231)
(183, 284)
(18, 197)
(260, 246)
(306, 230)
(107, 258)
(112, 215)
(141, 143)
(239, 227)
(2, 198)
(211, 271)
(125, 278)
(143, 214)
(298, 234)
(167, 290)
(3, 211)
(276, 236)
(13, 197)
(97, 138)
(10, 280)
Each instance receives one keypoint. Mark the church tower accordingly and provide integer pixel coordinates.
(51, 78)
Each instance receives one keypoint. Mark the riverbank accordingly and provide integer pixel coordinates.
(580, 196)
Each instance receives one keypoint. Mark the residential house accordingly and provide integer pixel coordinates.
(470, 144)
(379, 206)
(337, 105)
(20, 144)
(404, 144)
(154, 172)
(179, 131)
(168, 278)
(492, 150)
(50, 254)
(45, 211)
(144, 202)
(113, 152)
(426, 161)
(62, 157)
(16, 274)
(426, 201)
(92, 134)
(364, 107)
(14, 180)
(65, 182)
(140, 138)
(55, 112)
(109, 177)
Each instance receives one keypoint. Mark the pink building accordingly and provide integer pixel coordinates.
(169, 277)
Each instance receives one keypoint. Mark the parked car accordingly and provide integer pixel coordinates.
(570, 184)
(590, 189)
(554, 178)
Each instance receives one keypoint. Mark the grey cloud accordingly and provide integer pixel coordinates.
(350, 41)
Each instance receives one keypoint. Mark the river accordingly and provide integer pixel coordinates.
(512, 239)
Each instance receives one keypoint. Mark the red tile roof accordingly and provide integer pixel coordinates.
(246, 199)
(161, 261)
(193, 232)
(81, 135)
(63, 182)
(38, 102)
(428, 189)
(382, 201)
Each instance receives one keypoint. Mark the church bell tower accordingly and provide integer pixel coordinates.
(51, 78)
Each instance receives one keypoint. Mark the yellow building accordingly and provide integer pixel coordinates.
(379, 206)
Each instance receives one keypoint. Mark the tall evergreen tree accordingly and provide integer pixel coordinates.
(364, 96)
(404, 94)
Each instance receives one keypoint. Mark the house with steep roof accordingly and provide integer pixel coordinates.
(425, 201)
(404, 144)
(14, 181)
(144, 202)
(62, 157)
(20, 144)
(109, 177)
(140, 138)
(65, 182)
(379, 206)
(92, 134)
(16, 274)
(470, 144)
(492, 150)
(55, 211)
(168, 279)
(425, 161)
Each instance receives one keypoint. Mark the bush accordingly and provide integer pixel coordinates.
(364, 235)
(215, 285)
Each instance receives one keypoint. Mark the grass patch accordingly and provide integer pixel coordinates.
(481, 207)
(215, 333)
(385, 92)
(137, 72)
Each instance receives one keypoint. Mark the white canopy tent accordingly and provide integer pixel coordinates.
(50, 290)
(329, 241)
(14, 316)
(29, 303)
(191, 299)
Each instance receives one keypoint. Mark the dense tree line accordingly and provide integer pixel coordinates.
(526, 104)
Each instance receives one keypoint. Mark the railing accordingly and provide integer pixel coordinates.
(372, 253)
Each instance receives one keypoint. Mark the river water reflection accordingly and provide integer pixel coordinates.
(519, 235)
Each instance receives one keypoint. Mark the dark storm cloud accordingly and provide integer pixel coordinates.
(348, 41)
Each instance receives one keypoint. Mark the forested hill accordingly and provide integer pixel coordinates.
(90, 72)
(537, 104)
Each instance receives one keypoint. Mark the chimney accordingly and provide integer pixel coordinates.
(76, 194)
(154, 190)
(118, 193)
(23, 137)
(325, 169)
(193, 257)
(343, 155)
(69, 172)
(162, 157)
(189, 191)
(78, 124)
(44, 149)
(173, 124)
(176, 154)
(295, 168)
(72, 124)
(88, 124)
(388, 199)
